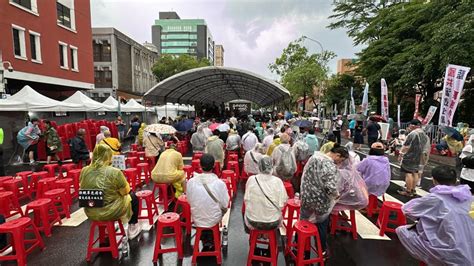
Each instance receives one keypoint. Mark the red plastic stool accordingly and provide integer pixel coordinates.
(289, 189)
(230, 175)
(384, 220)
(75, 175)
(44, 185)
(9, 205)
(35, 178)
(13, 185)
(197, 155)
(299, 169)
(66, 168)
(51, 169)
(185, 215)
(272, 246)
(169, 219)
(233, 156)
(291, 209)
(134, 147)
(196, 164)
(217, 168)
(217, 244)
(305, 231)
(234, 165)
(18, 229)
(373, 206)
(58, 196)
(114, 243)
(24, 179)
(132, 175)
(151, 161)
(180, 148)
(165, 194)
(141, 156)
(151, 207)
(4, 178)
(145, 171)
(66, 184)
(131, 162)
(188, 169)
(336, 225)
(228, 185)
(132, 154)
(45, 214)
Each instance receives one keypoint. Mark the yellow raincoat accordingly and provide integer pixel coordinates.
(100, 175)
(327, 147)
(141, 130)
(113, 143)
(275, 143)
(169, 170)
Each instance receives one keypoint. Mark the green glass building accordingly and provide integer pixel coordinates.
(176, 36)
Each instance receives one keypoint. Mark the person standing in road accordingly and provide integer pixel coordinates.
(336, 128)
(28, 138)
(53, 143)
(352, 125)
(78, 147)
(373, 130)
(312, 141)
(134, 127)
(120, 127)
(414, 156)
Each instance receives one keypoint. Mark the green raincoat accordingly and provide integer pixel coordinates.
(100, 175)
(53, 140)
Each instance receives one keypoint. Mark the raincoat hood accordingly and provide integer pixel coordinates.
(311, 136)
(212, 138)
(461, 193)
(102, 156)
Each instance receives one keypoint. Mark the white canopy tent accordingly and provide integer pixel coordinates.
(27, 99)
(111, 104)
(173, 110)
(133, 106)
(87, 104)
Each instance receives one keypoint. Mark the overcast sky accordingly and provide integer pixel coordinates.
(253, 32)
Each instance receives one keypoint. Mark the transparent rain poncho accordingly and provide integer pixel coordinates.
(418, 152)
(352, 189)
(199, 139)
(443, 234)
(100, 175)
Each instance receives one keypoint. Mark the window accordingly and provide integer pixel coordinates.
(63, 55)
(19, 47)
(35, 47)
(106, 52)
(74, 63)
(65, 14)
(27, 5)
(178, 36)
(97, 47)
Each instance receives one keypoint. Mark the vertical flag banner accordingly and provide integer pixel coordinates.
(335, 109)
(345, 107)
(398, 117)
(384, 98)
(365, 99)
(452, 88)
(353, 107)
(417, 106)
(429, 115)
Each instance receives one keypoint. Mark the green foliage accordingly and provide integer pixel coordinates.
(409, 44)
(169, 65)
(300, 71)
(339, 90)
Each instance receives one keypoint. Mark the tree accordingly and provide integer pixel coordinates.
(339, 90)
(409, 44)
(169, 65)
(299, 71)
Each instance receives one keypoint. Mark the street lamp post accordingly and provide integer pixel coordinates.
(2, 73)
(322, 54)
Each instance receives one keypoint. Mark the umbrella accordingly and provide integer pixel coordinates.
(303, 123)
(379, 118)
(214, 126)
(453, 133)
(184, 125)
(160, 129)
(357, 117)
(314, 118)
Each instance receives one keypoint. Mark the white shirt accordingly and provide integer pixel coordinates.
(466, 173)
(251, 166)
(223, 127)
(205, 211)
(257, 206)
(249, 140)
(207, 131)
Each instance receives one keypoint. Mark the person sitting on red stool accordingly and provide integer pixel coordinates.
(119, 201)
(208, 197)
(265, 197)
(252, 158)
(169, 170)
(78, 147)
(442, 234)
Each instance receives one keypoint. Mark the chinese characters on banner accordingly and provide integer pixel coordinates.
(452, 88)
(417, 104)
(365, 99)
(429, 115)
(384, 96)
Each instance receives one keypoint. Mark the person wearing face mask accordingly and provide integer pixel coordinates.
(319, 188)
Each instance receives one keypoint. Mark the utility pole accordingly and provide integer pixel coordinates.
(319, 91)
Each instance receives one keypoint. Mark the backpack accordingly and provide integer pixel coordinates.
(302, 151)
(286, 167)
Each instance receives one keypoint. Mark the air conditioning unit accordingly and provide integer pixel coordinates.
(100, 68)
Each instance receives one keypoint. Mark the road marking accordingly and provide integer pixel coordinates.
(187, 158)
(366, 229)
(388, 197)
(77, 218)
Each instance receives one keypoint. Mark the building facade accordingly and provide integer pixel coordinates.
(176, 36)
(219, 55)
(122, 66)
(346, 66)
(48, 44)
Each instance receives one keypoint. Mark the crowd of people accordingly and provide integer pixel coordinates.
(333, 179)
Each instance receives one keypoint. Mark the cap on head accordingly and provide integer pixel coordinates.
(415, 122)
